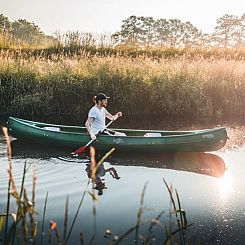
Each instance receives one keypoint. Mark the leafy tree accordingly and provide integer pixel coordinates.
(227, 30)
(241, 32)
(176, 29)
(162, 31)
(191, 35)
(26, 31)
(147, 31)
(204, 40)
(5, 24)
(130, 31)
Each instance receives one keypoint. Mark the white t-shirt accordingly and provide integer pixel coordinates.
(99, 116)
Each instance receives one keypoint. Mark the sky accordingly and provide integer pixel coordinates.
(106, 16)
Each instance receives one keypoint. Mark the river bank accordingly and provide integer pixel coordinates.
(181, 88)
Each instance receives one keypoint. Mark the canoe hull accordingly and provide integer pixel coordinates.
(135, 141)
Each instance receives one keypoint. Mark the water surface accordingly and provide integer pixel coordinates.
(210, 186)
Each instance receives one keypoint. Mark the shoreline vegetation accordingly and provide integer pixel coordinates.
(172, 73)
(180, 87)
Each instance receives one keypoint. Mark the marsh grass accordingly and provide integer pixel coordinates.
(25, 217)
(180, 216)
(18, 209)
(189, 85)
(171, 232)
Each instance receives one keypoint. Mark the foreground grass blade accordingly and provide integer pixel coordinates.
(43, 219)
(5, 132)
(21, 192)
(78, 208)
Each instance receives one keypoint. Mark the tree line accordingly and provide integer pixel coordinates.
(22, 31)
(138, 31)
(148, 32)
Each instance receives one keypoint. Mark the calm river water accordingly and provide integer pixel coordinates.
(210, 186)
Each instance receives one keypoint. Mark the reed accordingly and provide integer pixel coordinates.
(93, 195)
(154, 221)
(181, 220)
(7, 215)
(139, 215)
(170, 234)
(5, 132)
(65, 220)
(77, 212)
(24, 206)
(61, 84)
(18, 209)
(43, 217)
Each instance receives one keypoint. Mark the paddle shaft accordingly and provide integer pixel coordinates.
(82, 148)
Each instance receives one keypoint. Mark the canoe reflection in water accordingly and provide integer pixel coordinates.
(196, 162)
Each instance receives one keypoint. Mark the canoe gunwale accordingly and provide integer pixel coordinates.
(199, 140)
(179, 135)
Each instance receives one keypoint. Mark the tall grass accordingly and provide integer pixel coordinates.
(191, 86)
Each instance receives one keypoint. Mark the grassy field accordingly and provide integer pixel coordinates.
(195, 85)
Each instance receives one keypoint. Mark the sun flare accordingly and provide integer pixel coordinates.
(225, 186)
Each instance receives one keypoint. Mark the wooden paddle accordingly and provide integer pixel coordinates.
(83, 148)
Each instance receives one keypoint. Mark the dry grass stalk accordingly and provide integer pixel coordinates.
(65, 220)
(43, 218)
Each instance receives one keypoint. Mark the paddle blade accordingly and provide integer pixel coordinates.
(80, 149)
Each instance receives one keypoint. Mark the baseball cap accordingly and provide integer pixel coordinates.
(101, 96)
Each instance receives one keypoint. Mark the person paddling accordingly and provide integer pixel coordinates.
(95, 122)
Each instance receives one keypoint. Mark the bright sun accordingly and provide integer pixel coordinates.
(225, 186)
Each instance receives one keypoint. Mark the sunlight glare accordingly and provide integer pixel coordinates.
(225, 186)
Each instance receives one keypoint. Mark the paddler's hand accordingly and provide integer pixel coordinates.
(93, 137)
(119, 114)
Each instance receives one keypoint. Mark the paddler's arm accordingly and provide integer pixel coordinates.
(87, 125)
(109, 116)
(112, 172)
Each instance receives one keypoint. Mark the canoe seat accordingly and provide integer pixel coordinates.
(52, 129)
(119, 134)
(152, 135)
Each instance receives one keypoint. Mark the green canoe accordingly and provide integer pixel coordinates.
(130, 140)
